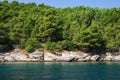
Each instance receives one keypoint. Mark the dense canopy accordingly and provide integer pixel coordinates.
(39, 26)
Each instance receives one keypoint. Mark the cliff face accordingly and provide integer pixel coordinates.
(18, 55)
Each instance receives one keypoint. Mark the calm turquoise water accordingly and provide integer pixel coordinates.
(60, 71)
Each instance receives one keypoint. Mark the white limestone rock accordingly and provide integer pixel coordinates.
(94, 57)
(117, 58)
(9, 58)
(108, 58)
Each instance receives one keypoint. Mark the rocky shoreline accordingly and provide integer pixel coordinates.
(18, 55)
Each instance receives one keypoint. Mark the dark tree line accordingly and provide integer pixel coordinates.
(39, 26)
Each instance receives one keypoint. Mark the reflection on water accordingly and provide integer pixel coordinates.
(60, 71)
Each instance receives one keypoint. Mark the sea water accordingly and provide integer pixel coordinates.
(60, 71)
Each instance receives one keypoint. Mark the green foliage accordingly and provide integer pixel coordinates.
(32, 44)
(35, 27)
(4, 39)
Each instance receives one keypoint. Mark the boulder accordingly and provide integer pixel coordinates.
(84, 58)
(108, 58)
(117, 58)
(77, 58)
(38, 55)
(108, 53)
(67, 58)
(21, 58)
(88, 58)
(94, 58)
(50, 57)
(81, 59)
(9, 58)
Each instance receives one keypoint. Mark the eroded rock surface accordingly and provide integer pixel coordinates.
(17, 56)
(66, 56)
